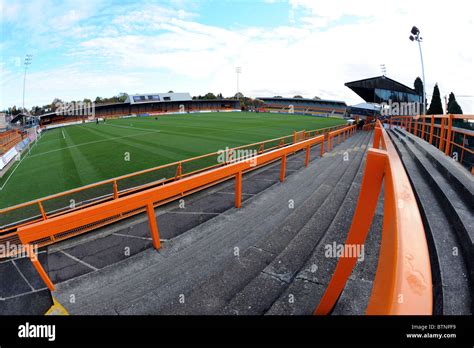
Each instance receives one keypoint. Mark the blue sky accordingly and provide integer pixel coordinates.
(311, 47)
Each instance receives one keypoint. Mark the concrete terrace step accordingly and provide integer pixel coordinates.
(256, 256)
(452, 291)
(90, 252)
(304, 293)
(459, 178)
(262, 291)
(452, 190)
(212, 296)
(149, 280)
(105, 246)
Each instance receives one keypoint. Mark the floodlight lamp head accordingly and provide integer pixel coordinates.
(412, 38)
(415, 31)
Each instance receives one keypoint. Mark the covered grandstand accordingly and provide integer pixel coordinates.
(382, 89)
(306, 106)
(145, 105)
(364, 111)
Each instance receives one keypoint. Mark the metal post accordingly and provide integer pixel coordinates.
(27, 62)
(441, 135)
(238, 71)
(40, 269)
(431, 129)
(423, 129)
(423, 73)
(306, 162)
(448, 134)
(283, 168)
(115, 189)
(150, 210)
(238, 190)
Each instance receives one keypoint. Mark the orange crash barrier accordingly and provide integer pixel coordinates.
(403, 283)
(52, 229)
(44, 208)
(343, 132)
(441, 131)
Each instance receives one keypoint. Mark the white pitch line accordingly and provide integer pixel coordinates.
(131, 236)
(80, 261)
(88, 143)
(62, 131)
(21, 160)
(13, 171)
(23, 276)
(149, 130)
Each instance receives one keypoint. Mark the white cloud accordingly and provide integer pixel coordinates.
(330, 43)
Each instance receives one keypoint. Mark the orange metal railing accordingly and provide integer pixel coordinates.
(79, 198)
(403, 283)
(368, 126)
(340, 133)
(441, 131)
(53, 228)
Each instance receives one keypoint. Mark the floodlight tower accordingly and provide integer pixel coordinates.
(238, 71)
(384, 69)
(27, 62)
(415, 36)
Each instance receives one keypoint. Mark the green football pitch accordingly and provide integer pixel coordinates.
(68, 157)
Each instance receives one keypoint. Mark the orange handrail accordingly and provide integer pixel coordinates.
(73, 223)
(114, 183)
(442, 135)
(403, 283)
(61, 227)
(346, 131)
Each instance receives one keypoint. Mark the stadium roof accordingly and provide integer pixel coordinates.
(157, 97)
(322, 101)
(365, 88)
(366, 106)
(164, 101)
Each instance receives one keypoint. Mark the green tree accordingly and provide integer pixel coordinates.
(210, 96)
(436, 108)
(298, 97)
(35, 110)
(418, 86)
(54, 103)
(122, 97)
(453, 106)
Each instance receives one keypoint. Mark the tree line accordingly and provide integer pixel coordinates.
(435, 107)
